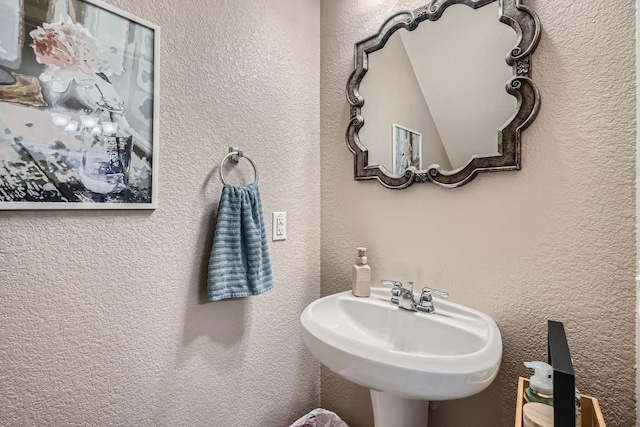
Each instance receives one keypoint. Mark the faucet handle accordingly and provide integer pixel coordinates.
(425, 303)
(428, 290)
(395, 292)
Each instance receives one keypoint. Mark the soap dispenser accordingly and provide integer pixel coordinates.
(541, 388)
(361, 275)
(540, 384)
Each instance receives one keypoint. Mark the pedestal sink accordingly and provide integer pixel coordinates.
(405, 358)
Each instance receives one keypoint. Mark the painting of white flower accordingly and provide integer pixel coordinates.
(78, 106)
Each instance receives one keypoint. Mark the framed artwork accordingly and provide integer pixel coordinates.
(79, 106)
(407, 149)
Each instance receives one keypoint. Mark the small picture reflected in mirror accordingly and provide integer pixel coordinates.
(407, 149)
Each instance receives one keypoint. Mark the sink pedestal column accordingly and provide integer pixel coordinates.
(393, 411)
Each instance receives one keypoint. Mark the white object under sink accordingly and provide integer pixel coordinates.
(403, 356)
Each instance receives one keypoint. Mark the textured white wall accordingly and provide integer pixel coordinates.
(552, 241)
(637, 211)
(102, 320)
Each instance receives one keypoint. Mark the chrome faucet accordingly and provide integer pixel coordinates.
(404, 298)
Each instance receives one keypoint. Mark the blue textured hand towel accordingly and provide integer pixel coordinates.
(239, 264)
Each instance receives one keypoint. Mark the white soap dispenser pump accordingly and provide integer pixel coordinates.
(541, 388)
(361, 275)
(540, 384)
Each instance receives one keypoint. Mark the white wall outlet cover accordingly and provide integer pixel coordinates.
(279, 226)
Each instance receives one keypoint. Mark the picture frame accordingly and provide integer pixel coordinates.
(79, 106)
(406, 149)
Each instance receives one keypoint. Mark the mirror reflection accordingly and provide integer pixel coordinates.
(436, 95)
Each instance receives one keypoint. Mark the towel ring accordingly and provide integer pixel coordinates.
(233, 152)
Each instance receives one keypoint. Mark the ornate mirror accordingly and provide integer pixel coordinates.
(445, 91)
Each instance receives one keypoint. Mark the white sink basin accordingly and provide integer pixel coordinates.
(452, 353)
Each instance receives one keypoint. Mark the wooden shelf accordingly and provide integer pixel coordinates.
(591, 413)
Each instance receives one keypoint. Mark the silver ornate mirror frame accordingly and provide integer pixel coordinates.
(527, 26)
